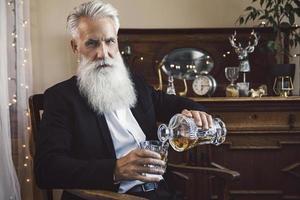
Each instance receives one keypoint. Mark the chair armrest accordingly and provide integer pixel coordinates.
(226, 174)
(103, 195)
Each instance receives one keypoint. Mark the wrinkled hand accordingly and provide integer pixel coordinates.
(134, 165)
(201, 118)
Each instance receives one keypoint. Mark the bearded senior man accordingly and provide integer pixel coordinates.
(93, 123)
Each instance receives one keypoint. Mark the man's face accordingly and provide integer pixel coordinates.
(96, 39)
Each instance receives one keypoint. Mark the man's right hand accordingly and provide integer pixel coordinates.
(135, 165)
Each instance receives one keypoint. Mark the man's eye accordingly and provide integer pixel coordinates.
(91, 44)
(110, 41)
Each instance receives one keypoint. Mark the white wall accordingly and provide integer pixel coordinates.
(52, 57)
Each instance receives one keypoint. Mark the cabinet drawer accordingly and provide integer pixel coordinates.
(261, 120)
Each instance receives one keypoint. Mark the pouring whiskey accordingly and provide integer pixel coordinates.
(182, 133)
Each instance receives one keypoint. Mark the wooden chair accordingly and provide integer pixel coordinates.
(180, 175)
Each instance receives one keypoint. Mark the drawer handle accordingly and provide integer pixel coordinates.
(291, 121)
(254, 116)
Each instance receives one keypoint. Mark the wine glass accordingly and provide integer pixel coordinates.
(232, 74)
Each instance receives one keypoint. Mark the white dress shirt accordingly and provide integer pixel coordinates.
(126, 135)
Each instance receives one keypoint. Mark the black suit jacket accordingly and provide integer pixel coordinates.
(74, 148)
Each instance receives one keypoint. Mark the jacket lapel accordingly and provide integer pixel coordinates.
(138, 115)
(106, 134)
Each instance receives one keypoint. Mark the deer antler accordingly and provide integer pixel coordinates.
(232, 40)
(250, 47)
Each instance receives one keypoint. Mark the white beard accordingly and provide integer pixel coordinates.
(107, 88)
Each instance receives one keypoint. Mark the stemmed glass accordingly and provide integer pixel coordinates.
(232, 74)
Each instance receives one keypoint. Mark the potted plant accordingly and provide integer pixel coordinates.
(280, 16)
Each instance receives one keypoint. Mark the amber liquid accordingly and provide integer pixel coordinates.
(184, 143)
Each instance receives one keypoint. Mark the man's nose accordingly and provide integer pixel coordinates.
(102, 52)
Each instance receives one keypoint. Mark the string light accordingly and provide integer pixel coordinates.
(15, 43)
(142, 58)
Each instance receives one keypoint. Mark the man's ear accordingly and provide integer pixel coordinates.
(74, 46)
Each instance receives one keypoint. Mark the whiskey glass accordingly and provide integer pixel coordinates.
(158, 147)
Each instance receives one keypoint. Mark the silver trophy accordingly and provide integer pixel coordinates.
(171, 87)
(243, 52)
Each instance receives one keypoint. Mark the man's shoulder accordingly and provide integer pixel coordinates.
(66, 86)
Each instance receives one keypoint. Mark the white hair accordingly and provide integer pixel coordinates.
(94, 9)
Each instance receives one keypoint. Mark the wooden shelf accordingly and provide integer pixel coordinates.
(244, 99)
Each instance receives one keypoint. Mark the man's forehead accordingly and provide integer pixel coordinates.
(103, 27)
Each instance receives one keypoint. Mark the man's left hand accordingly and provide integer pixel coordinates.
(201, 118)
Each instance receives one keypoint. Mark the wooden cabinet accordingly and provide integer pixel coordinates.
(263, 144)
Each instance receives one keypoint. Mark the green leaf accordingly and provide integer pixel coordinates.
(288, 7)
(271, 46)
(263, 17)
(297, 11)
(291, 19)
(247, 18)
(250, 8)
(291, 43)
(269, 4)
(297, 2)
(241, 20)
(281, 9)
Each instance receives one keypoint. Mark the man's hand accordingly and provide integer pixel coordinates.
(134, 165)
(202, 119)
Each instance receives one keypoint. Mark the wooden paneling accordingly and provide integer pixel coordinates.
(264, 149)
